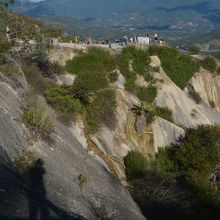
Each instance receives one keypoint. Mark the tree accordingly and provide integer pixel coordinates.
(135, 164)
(209, 63)
(194, 49)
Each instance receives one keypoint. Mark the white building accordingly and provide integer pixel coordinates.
(144, 40)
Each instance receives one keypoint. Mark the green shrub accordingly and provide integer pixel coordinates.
(195, 96)
(197, 152)
(149, 114)
(148, 77)
(148, 94)
(156, 69)
(212, 103)
(135, 165)
(209, 64)
(55, 68)
(183, 168)
(164, 113)
(150, 117)
(95, 60)
(102, 106)
(35, 78)
(38, 118)
(25, 162)
(194, 50)
(66, 105)
(140, 59)
(10, 70)
(91, 82)
(5, 45)
(180, 68)
(130, 84)
(162, 161)
(113, 76)
(218, 70)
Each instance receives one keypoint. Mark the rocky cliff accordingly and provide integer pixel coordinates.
(84, 173)
(65, 162)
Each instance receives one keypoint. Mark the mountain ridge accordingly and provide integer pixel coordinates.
(170, 17)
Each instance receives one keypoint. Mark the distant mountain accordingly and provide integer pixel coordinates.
(174, 18)
(208, 43)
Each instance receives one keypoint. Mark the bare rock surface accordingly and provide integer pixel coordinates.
(208, 87)
(117, 142)
(65, 160)
(185, 111)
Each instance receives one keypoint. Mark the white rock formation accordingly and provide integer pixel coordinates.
(208, 87)
(185, 111)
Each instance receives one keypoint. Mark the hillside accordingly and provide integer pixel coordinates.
(172, 18)
(208, 43)
(96, 133)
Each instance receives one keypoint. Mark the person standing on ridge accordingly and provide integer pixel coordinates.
(7, 32)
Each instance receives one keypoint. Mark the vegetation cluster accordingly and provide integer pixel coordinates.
(180, 68)
(181, 169)
(91, 92)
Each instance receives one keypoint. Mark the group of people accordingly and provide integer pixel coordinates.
(137, 39)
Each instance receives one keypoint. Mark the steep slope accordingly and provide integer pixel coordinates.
(64, 160)
(114, 143)
(186, 112)
(208, 87)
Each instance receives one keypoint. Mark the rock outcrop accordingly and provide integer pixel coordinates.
(82, 171)
(185, 111)
(65, 161)
(208, 87)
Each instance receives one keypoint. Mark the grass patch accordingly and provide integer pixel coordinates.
(95, 60)
(164, 113)
(10, 70)
(91, 82)
(39, 119)
(156, 69)
(130, 84)
(5, 45)
(25, 163)
(180, 68)
(113, 76)
(209, 63)
(35, 78)
(218, 70)
(66, 105)
(162, 162)
(195, 96)
(212, 103)
(102, 106)
(179, 171)
(135, 165)
(148, 94)
(90, 92)
(139, 61)
(148, 77)
(194, 50)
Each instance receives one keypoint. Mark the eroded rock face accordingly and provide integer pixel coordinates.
(71, 155)
(208, 87)
(185, 111)
(64, 160)
(116, 143)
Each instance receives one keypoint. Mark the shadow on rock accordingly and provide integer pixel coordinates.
(26, 198)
